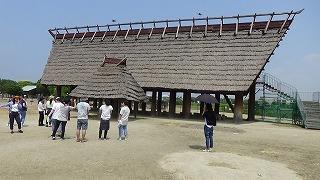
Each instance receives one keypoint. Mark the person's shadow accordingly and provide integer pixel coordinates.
(196, 147)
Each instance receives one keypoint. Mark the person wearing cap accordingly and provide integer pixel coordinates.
(82, 123)
(55, 115)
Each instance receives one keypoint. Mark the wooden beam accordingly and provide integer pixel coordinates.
(135, 108)
(58, 91)
(178, 28)
(159, 103)
(115, 35)
(221, 25)
(153, 102)
(84, 34)
(284, 23)
(238, 107)
(172, 103)
(268, 23)
(237, 26)
(186, 109)
(206, 27)
(217, 105)
(229, 102)
(251, 102)
(252, 23)
(191, 29)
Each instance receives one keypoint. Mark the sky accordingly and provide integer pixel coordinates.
(25, 42)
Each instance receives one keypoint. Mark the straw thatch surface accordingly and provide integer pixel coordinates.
(226, 63)
(110, 81)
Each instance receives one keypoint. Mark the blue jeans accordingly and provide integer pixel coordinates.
(123, 131)
(23, 116)
(208, 133)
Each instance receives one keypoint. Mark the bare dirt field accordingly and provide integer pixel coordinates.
(160, 149)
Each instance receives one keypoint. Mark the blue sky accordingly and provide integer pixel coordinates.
(25, 42)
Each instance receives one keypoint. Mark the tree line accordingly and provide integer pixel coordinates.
(12, 87)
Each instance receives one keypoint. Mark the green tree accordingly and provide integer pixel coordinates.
(10, 87)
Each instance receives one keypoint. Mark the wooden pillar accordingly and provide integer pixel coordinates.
(135, 108)
(58, 91)
(172, 103)
(100, 102)
(238, 107)
(95, 103)
(144, 105)
(217, 105)
(251, 102)
(201, 108)
(186, 104)
(153, 103)
(159, 103)
(130, 105)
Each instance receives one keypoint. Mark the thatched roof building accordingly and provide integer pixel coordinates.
(112, 80)
(190, 55)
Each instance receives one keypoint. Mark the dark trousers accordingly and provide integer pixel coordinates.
(56, 126)
(104, 135)
(14, 116)
(41, 117)
(208, 133)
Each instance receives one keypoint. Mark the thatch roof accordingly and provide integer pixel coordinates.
(111, 80)
(213, 62)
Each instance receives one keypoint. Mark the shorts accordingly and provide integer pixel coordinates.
(82, 124)
(104, 124)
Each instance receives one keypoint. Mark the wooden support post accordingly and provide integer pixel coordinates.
(130, 105)
(153, 103)
(237, 26)
(58, 91)
(217, 105)
(251, 102)
(238, 107)
(229, 102)
(100, 102)
(252, 23)
(201, 108)
(95, 104)
(144, 105)
(186, 109)
(221, 25)
(135, 108)
(191, 29)
(159, 103)
(115, 35)
(172, 103)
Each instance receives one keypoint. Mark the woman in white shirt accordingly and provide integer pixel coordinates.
(41, 109)
(105, 114)
(14, 109)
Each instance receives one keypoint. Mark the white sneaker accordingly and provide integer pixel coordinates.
(205, 150)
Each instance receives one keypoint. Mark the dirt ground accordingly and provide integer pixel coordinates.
(160, 149)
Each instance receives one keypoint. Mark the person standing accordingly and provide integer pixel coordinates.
(14, 109)
(41, 109)
(82, 123)
(55, 113)
(49, 106)
(62, 118)
(123, 121)
(105, 110)
(210, 122)
(23, 111)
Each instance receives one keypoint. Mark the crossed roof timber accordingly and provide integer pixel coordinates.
(197, 25)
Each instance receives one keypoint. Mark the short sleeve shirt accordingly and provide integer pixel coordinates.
(64, 115)
(124, 112)
(83, 109)
(57, 107)
(106, 112)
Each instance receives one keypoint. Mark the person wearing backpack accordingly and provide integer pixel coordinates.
(23, 111)
(210, 122)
